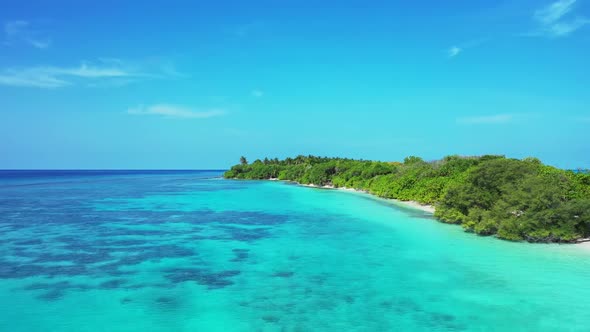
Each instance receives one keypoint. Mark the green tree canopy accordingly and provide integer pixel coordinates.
(488, 195)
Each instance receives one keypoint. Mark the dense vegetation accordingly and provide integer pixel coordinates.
(489, 195)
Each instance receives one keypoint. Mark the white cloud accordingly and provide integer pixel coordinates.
(56, 77)
(20, 31)
(102, 73)
(257, 93)
(553, 20)
(31, 79)
(175, 111)
(454, 51)
(87, 71)
(488, 119)
(554, 11)
(40, 44)
(565, 28)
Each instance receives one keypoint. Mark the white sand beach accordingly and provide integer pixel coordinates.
(411, 204)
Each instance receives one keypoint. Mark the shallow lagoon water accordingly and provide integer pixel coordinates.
(186, 251)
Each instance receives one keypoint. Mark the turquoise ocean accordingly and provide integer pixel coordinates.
(189, 251)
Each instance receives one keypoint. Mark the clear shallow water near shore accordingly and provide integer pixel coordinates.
(184, 251)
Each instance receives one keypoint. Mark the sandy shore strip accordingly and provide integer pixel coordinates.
(410, 204)
(415, 205)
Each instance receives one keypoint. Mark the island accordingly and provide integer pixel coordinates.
(512, 199)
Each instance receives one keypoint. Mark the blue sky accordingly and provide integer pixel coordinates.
(130, 84)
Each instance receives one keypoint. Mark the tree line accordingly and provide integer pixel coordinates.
(512, 199)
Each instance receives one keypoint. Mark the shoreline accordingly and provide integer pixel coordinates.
(582, 243)
(408, 204)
